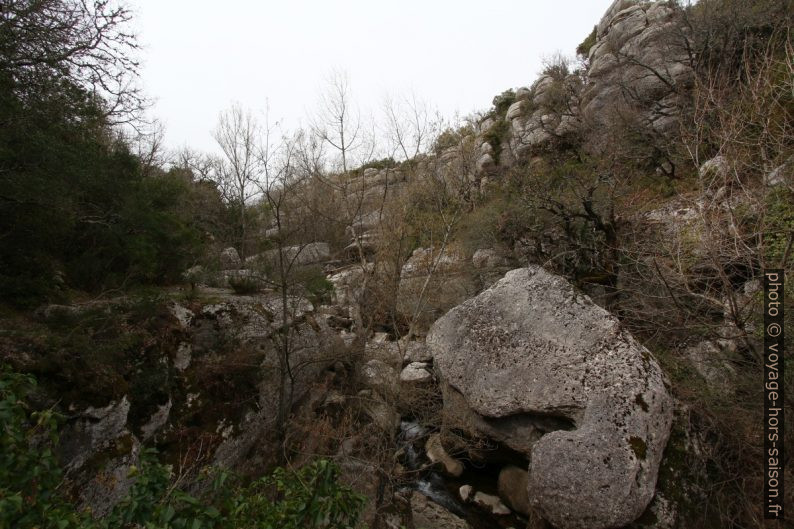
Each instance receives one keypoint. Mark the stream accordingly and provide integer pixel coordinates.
(443, 489)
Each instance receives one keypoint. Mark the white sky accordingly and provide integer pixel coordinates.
(200, 56)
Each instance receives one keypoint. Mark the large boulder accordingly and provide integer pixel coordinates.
(305, 254)
(557, 378)
(230, 259)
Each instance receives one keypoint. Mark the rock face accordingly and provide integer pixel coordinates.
(548, 109)
(637, 59)
(557, 378)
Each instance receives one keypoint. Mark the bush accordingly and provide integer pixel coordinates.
(451, 138)
(243, 285)
(556, 66)
(319, 289)
(583, 49)
(496, 136)
(502, 102)
(385, 163)
(30, 480)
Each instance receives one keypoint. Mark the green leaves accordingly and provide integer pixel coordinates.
(309, 497)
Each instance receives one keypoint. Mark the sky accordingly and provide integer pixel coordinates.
(199, 57)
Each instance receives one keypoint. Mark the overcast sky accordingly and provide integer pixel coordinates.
(200, 56)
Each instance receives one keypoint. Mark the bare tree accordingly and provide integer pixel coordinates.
(88, 42)
(147, 144)
(409, 127)
(339, 123)
(239, 172)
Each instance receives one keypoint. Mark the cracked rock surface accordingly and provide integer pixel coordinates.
(558, 379)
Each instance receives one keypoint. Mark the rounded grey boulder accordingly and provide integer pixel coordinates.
(556, 377)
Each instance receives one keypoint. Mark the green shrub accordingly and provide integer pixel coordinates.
(385, 163)
(502, 102)
(451, 138)
(243, 285)
(496, 136)
(31, 479)
(319, 289)
(583, 49)
(778, 224)
(29, 472)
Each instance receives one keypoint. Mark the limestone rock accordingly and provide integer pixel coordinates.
(379, 376)
(531, 347)
(710, 360)
(93, 430)
(157, 420)
(515, 110)
(437, 454)
(486, 164)
(415, 373)
(466, 492)
(347, 285)
(430, 515)
(416, 351)
(184, 354)
(230, 259)
(314, 252)
(384, 351)
(512, 485)
(716, 167)
(491, 503)
(487, 258)
(781, 174)
(381, 413)
(450, 282)
(194, 274)
(637, 61)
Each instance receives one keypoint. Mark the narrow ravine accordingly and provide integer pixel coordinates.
(444, 490)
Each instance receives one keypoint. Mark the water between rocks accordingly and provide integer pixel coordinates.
(443, 490)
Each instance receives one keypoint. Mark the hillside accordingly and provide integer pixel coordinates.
(546, 315)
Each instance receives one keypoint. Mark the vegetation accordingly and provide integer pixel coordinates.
(583, 49)
(629, 214)
(77, 205)
(502, 102)
(31, 480)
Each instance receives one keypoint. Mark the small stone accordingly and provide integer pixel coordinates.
(465, 492)
(491, 503)
(437, 454)
(415, 373)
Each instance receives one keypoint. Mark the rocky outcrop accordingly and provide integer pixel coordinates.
(557, 378)
(638, 60)
(315, 252)
(548, 109)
